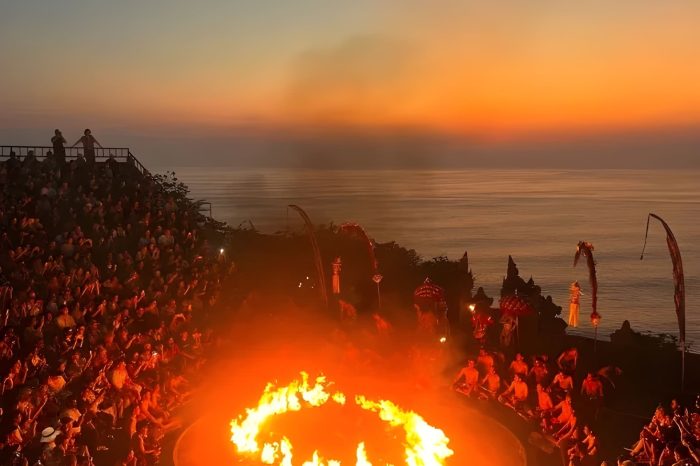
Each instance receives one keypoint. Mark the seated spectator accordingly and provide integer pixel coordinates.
(519, 366)
(467, 379)
(64, 319)
(539, 373)
(589, 450)
(561, 385)
(84, 304)
(592, 395)
(544, 402)
(651, 438)
(142, 445)
(566, 412)
(57, 380)
(515, 395)
(683, 457)
(568, 360)
(119, 377)
(491, 383)
(484, 361)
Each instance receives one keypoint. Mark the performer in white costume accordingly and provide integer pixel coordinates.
(575, 296)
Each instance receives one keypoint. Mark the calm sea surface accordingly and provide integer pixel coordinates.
(536, 216)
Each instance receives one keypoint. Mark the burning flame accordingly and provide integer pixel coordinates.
(424, 445)
(362, 456)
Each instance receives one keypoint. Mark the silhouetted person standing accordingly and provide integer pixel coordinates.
(13, 162)
(89, 142)
(59, 150)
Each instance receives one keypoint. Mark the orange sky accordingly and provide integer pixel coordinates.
(495, 69)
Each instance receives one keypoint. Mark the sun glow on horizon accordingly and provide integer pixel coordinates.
(499, 68)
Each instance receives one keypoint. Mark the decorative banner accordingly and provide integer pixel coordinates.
(678, 277)
(359, 231)
(586, 249)
(376, 277)
(320, 272)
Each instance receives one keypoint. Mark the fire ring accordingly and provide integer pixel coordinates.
(424, 445)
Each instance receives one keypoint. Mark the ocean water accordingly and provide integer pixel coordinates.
(536, 216)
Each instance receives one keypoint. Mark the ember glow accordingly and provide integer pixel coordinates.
(424, 445)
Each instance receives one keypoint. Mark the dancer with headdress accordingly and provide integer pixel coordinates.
(574, 301)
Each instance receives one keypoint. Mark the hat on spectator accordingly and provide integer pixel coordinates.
(49, 435)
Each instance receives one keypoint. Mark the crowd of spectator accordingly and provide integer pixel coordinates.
(671, 437)
(543, 391)
(546, 392)
(107, 286)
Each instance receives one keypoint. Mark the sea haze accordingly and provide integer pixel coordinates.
(537, 216)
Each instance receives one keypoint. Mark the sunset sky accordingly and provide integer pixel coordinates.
(490, 72)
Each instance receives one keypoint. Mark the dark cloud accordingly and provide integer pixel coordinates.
(337, 83)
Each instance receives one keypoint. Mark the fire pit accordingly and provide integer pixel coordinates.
(424, 445)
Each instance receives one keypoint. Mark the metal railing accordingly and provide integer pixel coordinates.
(102, 154)
(120, 154)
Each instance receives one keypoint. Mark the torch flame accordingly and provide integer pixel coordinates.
(425, 445)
